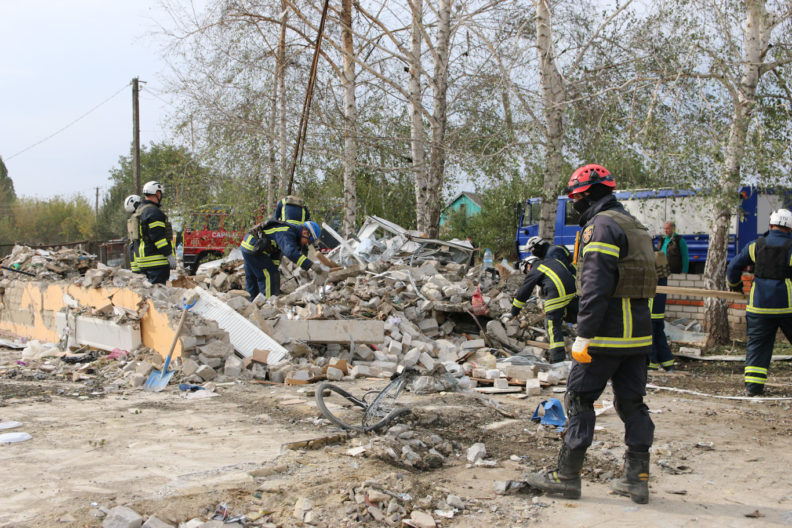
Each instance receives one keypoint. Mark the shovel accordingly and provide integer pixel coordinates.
(158, 380)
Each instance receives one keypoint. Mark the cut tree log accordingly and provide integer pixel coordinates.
(701, 292)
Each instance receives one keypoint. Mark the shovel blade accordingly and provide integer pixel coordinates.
(157, 380)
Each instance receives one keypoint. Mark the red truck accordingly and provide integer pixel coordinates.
(206, 237)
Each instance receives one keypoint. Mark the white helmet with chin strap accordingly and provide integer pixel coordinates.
(131, 202)
(781, 218)
(527, 263)
(152, 187)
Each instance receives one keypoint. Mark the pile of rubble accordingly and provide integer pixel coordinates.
(47, 264)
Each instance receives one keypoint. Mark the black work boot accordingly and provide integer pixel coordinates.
(563, 481)
(635, 483)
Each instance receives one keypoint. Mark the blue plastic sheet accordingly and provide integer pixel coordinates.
(553, 414)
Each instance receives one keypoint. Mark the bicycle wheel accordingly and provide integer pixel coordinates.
(320, 404)
(383, 409)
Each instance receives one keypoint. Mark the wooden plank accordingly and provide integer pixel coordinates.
(537, 344)
(493, 390)
(701, 292)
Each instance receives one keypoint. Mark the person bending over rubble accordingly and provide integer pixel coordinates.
(263, 247)
(558, 290)
(616, 277)
(541, 248)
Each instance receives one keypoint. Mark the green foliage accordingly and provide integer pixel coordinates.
(7, 194)
(496, 225)
(187, 185)
(58, 220)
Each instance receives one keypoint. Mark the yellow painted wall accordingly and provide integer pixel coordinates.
(40, 301)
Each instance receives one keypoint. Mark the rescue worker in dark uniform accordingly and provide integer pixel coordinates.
(263, 247)
(770, 301)
(558, 290)
(660, 356)
(292, 210)
(152, 250)
(616, 278)
(541, 248)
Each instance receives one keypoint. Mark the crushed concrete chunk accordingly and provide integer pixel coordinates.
(122, 517)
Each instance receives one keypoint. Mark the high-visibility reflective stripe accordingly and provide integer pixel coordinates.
(756, 370)
(752, 251)
(768, 311)
(550, 334)
(559, 286)
(751, 379)
(267, 287)
(654, 366)
(601, 247)
(157, 223)
(669, 363)
(626, 317)
(621, 342)
(275, 230)
(658, 316)
(788, 285)
(518, 304)
(246, 243)
(734, 283)
(301, 260)
(295, 222)
(558, 302)
(159, 244)
(276, 262)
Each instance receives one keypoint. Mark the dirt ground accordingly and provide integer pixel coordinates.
(716, 462)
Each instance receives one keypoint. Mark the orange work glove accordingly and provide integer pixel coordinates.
(580, 350)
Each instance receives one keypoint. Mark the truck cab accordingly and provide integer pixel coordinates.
(653, 207)
(206, 235)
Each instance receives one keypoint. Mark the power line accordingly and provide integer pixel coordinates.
(68, 125)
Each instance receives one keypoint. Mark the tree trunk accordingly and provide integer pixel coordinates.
(350, 119)
(274, 174)
(416, 121)
(756, 44)
(280, 73)
(440, 117)
(553, 104)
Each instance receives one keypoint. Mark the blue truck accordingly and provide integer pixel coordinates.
(653, 207)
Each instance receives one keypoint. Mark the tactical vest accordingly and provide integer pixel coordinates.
(637, 275)
(771, 261)
(662, 268)
(674, 254)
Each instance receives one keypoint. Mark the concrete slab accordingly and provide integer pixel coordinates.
(103, 334)
(340, 332)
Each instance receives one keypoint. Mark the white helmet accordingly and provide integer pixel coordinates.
(782, 218)
(131, 202)
(152, 187)
(527, 263)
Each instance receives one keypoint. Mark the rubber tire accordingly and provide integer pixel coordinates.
(330, 416)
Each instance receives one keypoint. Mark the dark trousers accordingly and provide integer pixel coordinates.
(761, 338)
(157, 275)
(661, 355)
(554, 321)
(261, 275)
(585, 384)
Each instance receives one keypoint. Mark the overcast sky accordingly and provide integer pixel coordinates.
(60, 59)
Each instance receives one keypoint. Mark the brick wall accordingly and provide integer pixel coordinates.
(678, 306)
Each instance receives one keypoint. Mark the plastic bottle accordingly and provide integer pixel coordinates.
(488, 259)
(180, 252)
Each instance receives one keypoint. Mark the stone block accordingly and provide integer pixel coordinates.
(395, 347)
(137, 380)
(216, 349)
(533, 387)
(426, 361)
(206, 372)
(122, 517)
(360, 371)
(473, 344)
(411, 358)
(364, 352)
(233, 366)
(154, 522)
(189, 367)
(212, 362)
(476, 452)
(429, 327)
(334, 374)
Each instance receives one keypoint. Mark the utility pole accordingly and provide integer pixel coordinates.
(96, 206)
(136, 135)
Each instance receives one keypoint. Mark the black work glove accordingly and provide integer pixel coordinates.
(736, 287)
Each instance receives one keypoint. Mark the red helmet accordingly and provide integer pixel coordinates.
(588, 175)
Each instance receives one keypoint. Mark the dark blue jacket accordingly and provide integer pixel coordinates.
(615, 325)
(293, 214)
(768, 297)
(562, 254)
(285, 239)
(557, 283)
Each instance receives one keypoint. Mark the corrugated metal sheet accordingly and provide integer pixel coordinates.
(245, 336)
